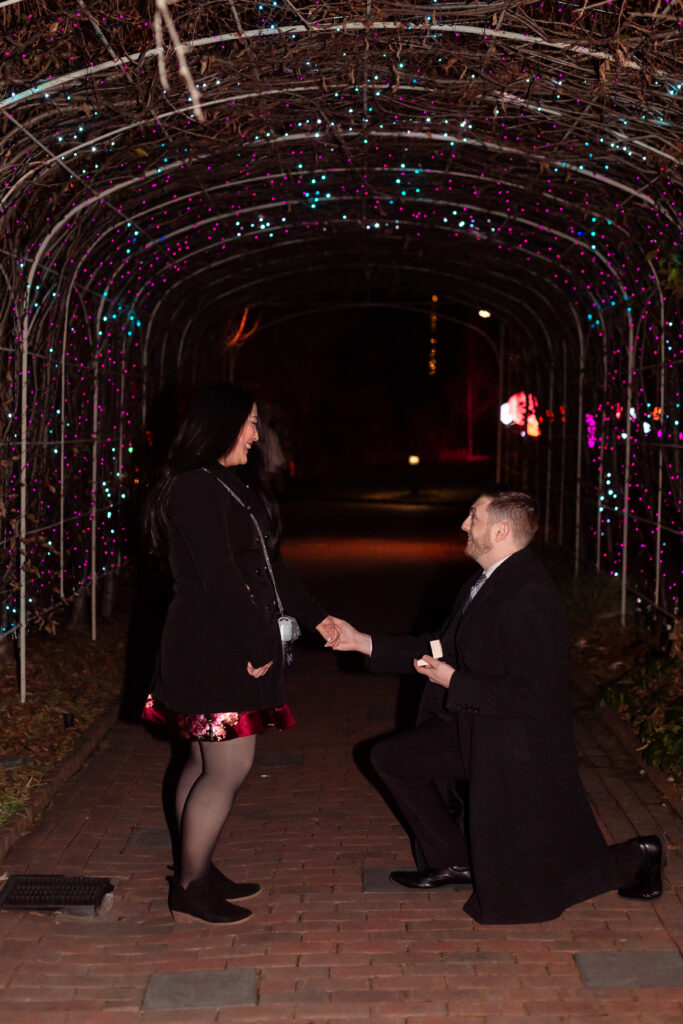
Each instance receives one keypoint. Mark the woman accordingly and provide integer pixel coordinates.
(219, 676)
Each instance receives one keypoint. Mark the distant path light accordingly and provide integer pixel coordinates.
(413, 460)
(484, 314)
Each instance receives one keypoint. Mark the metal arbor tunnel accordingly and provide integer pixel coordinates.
(167, 164)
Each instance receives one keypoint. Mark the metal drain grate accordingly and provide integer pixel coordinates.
(79, 895)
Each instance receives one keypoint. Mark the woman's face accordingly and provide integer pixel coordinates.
(238, 455)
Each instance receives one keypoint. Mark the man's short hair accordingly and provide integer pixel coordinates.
(518, 509)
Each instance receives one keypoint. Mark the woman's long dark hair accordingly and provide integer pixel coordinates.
(208, 431)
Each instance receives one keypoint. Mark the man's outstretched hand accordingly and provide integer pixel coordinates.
(348, 638)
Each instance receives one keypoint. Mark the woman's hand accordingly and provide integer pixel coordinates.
(328, 630)
(436, 671)
(258, 672)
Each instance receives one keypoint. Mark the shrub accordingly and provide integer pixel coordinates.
(651, 695)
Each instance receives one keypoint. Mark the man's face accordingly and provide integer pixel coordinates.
(479, 534)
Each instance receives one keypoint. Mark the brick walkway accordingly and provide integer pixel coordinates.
(322, 947)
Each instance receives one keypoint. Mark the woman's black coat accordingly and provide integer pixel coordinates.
(223, 613)
(535, 847)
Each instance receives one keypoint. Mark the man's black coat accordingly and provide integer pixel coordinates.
(535, 846)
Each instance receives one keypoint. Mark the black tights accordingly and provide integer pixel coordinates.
(212, 775)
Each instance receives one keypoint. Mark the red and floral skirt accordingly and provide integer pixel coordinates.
(221, 725)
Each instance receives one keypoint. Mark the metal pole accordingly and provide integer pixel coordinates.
(62, 448)
(23, 503)
(143, 372)
(470, 398)
(549, 442)
(62, 433)
(627, 473)
(660, 490)
(181, 344)
(601, 457)
(501, 393)
(579, 451)
(119, 461)
(660, 457)
(93, 505)
(563, 445)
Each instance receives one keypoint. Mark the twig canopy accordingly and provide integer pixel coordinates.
(167, 164)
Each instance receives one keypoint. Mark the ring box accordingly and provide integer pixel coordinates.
(437, 652)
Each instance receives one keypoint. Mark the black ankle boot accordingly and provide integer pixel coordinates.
(200, 900)
(224, 886)
(228, 889)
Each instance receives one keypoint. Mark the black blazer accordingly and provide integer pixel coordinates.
(535, 847)
(223, 613)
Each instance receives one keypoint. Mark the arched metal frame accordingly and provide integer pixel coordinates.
(522, 155)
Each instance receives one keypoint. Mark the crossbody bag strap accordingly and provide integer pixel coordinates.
(258, 531)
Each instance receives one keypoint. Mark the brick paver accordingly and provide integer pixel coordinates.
(307, 825)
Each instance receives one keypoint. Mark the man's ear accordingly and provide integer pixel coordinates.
(503, 530)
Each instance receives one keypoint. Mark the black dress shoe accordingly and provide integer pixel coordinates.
(647, 883)
(431, 879)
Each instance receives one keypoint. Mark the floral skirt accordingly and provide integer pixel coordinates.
(220, 725)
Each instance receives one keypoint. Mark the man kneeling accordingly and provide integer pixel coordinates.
(496, 715)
